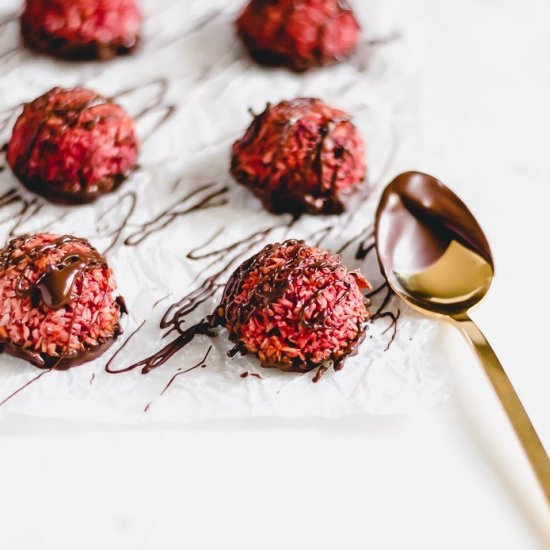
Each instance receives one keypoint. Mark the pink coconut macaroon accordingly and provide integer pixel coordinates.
(57, 301)
(300, 156)
(299, 34)
(295, 306)
(81, 29)
(72, 146)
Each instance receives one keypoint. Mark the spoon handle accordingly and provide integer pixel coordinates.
(523, 427)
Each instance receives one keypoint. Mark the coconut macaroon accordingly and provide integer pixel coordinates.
(300, 156)
(298, 34)
(72, 146)
(81, 29)
(57, 301)
(295, 306)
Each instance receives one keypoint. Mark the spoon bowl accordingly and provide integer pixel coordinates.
(435, 256)
(432, 251)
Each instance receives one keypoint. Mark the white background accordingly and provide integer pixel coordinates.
(450, 478)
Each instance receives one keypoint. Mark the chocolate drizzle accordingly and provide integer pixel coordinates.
(205, 196)
(177, 314)
(124, 207)
(365, 243)
(24, 386)
(19, 211)
(179, 372)
(154, 107)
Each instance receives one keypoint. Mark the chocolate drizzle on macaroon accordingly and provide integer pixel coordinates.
(72, 146)
(272, 286)
(300, 156)
(54, 289)
(80, 29)
(298, 34)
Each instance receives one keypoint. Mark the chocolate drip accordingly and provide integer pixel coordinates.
(126, 201)
(254, 374)
(26, 210)
(163, 355)
(364, 241)
(319, 374)
(383, 313)
(55, 286)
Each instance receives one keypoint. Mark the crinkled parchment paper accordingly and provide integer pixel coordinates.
(179, 226)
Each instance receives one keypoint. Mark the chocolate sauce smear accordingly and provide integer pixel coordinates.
(422, 216)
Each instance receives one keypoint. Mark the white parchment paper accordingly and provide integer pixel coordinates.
(190, 87)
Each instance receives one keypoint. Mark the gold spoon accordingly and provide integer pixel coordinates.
(436, 257)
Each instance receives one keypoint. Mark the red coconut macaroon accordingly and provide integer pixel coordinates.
(295, 306)
(81, 29)
(300, 156)
(299, 34)
(72, 146)
(57, 303)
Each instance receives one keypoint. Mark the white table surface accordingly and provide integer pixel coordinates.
(451, 478)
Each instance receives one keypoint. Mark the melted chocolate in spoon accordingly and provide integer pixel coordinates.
(418, 218)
